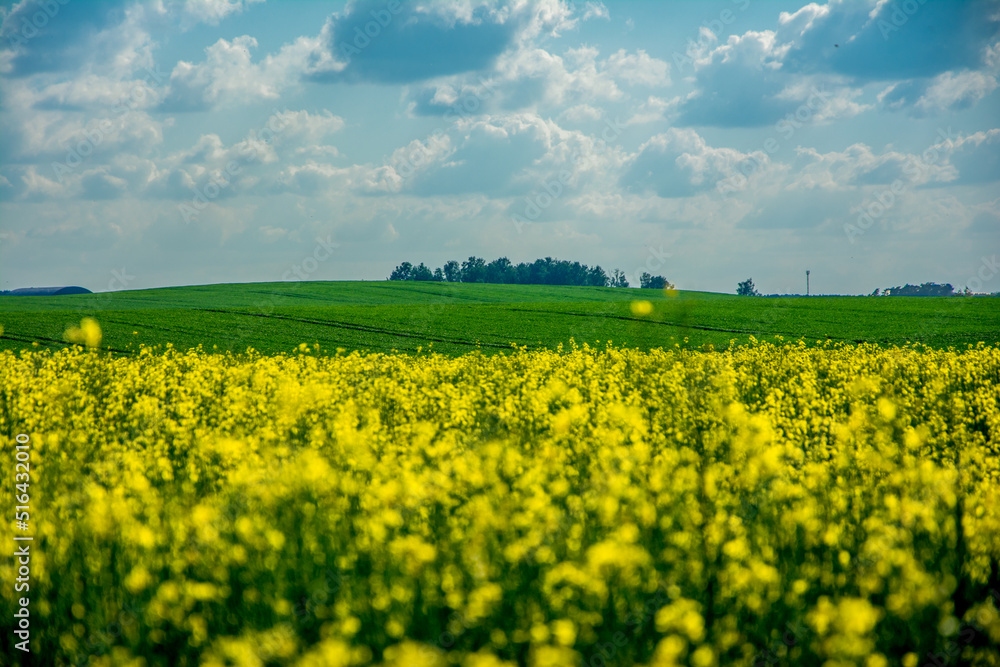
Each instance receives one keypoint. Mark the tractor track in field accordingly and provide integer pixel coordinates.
(699, 327)
(361, 327)
(56, 343)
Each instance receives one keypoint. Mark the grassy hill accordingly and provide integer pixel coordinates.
(456, 318)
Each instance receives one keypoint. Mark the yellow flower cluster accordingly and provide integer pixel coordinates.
(768, 504)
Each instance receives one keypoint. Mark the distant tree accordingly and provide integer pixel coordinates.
(924, 289)
(647, 281)
(541, 270)
(452, 271)
(746, 288)
(500, 271)
(422, 272)
(474, 270)
(402, 272)
(596, 277)
(875, 293)
(618, 279)
(546, 271)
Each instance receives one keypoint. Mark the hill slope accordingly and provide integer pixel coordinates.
(456, 318)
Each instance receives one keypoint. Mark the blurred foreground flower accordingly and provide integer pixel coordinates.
(88, 333)
(641, 308)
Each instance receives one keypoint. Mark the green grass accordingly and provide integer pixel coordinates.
(457, 318)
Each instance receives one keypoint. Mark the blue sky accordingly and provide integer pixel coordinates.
(158, 143)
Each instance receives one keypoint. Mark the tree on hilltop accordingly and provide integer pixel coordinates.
(618, 279)
(402, 272)
(647, 281)
(747, 288)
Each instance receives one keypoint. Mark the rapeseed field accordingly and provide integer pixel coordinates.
(770, 504)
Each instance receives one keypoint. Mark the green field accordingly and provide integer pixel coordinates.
(455, 317)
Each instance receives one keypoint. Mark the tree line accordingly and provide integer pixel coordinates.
(747, 288)
(924, 289)
(546, 271)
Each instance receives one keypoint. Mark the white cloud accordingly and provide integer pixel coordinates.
(639, 68)
(955, 91)
(679, 163)
(229, 77)
(652, 110)
(582, 113)
(419, 156)
(595, 10)
(311, 178)
(208, 11)
(933, 56)
(534, 78)
(976, 157)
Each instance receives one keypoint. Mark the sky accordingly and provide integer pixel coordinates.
(159, 143)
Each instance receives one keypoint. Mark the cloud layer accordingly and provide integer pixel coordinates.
(135, 132)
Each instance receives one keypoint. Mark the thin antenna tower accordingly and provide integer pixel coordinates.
(807, 282)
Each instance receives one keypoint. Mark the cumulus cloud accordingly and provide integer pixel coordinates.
(595, 10)
(229, 77)
(859, 166)
(888, 39)
(949, 91)
(499, 156)
(534, 78)
(401, 42)
(582, 113)
(934, 56)
(208, 11)
(976, 157)
(652, 110)
(739, 83)
(226, 74)
(65, 36)
(679, 163)
(99, 184)
(277, 142)
(638, 69)
(521, 103)
(491, 156)
(105, 159)
(953, 159)
(108, 37)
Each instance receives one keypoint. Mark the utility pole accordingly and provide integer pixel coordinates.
(807, 282)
